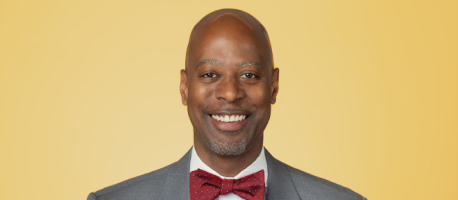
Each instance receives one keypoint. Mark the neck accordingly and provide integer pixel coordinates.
(228, 166)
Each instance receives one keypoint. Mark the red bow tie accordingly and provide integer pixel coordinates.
(206, 186)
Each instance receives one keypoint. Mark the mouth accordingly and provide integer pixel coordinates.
(228, 122)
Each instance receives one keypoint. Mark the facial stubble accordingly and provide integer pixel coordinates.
(226, 148)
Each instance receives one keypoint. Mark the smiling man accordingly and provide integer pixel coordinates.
(228, 85)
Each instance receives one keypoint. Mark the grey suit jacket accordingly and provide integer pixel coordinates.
(172, 182)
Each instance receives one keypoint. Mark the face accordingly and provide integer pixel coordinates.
(229, 86)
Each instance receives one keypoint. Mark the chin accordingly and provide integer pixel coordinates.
(228, 148)
(230, 143)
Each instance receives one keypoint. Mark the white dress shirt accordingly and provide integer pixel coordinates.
(259, 164)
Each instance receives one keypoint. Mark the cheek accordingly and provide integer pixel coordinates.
(199, 95)
(260, 96)
(203, 91)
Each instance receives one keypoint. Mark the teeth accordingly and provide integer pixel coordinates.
(229, 118)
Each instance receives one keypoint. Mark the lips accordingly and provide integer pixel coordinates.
(229, 122)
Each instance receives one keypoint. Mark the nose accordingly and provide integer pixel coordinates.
(230, 90)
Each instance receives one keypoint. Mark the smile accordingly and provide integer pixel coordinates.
(228, 122)
(229, 118)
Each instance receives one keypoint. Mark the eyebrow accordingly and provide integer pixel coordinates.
(216, 62)
(248, 63)
(209, 62)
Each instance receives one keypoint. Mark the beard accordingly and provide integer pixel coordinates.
(228, 148)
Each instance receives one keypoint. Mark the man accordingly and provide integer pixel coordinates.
(228, 86)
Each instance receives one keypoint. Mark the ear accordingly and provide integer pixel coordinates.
(184, 87)
(275, 78)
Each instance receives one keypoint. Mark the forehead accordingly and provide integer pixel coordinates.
(228, 38)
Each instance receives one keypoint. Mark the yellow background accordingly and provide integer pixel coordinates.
(368, 93)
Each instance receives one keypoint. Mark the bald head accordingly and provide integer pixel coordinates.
(233, 25)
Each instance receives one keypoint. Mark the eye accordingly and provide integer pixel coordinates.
(209, 75)
(249, 75)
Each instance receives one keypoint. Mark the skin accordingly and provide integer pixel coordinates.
(229, 70)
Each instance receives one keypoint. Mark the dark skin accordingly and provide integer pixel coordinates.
(229, 71)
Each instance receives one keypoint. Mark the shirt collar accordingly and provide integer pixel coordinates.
(259, 164)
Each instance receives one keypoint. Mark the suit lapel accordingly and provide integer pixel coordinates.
(177, 183)
(279, 183)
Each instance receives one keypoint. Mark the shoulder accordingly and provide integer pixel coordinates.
(308, 185)
(151, 185)
(144, 186)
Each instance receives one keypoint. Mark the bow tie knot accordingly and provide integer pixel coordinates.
(226, 186)
(204, 185)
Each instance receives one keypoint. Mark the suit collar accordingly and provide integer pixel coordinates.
(177, 183)
(280, 185)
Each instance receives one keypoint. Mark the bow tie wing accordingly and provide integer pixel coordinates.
(250, 187)
(203, 185)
